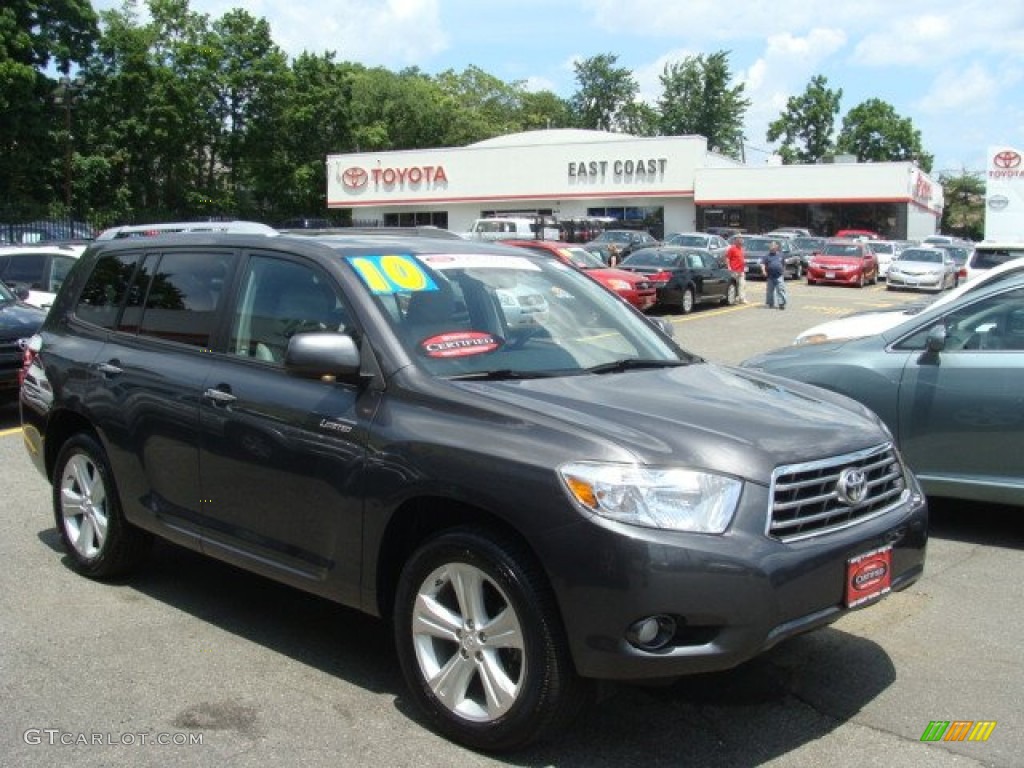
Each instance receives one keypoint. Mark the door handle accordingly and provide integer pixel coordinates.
(109, 369)
(219, 396)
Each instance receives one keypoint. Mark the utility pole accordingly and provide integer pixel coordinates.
(65, 96)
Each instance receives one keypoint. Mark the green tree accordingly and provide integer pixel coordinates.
(542, 110)
(602, 101)
(698, 100)
(36, 35)
(874, 132)
(964, 212)
(807, 124)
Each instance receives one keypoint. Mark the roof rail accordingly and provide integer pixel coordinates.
(418, 231)
(185, 227)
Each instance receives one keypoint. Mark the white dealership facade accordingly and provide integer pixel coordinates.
(670, 184)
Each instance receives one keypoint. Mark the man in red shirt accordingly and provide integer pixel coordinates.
(737, 264)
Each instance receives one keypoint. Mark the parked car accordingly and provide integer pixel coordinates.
(38, 269)
(789, 232)
(885, 251)
(870, 322)
(858, 234)
(923, 268)
(843, 262)
(634, 288)
(713, 243)
(18, 323)
(961, 252)
(945, 381)
(991, 253)
(625, 241)
(533, 509)
(684, 277)
(755, 248)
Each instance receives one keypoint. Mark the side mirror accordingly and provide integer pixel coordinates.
(936, 340)
(662, 325)
(323, 355)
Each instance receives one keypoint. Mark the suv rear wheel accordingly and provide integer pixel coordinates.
(480, 642)
(101, 543)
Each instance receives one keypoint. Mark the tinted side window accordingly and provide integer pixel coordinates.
(105, 289)
(183, 295)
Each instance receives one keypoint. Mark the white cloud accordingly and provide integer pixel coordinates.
(973, 89)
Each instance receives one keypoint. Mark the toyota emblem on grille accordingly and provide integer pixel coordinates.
(355, 178)
(22, 344)
(851, 486)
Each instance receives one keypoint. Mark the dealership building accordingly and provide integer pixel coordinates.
(664, 184)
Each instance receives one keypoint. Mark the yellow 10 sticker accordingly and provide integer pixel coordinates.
(391, 273)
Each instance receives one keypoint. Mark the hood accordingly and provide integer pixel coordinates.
(730, 420)
(852, 261)
(18, 320)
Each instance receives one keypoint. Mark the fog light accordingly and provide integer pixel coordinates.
(652, 633)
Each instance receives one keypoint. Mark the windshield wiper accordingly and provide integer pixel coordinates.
(501, 374)
(632, 364)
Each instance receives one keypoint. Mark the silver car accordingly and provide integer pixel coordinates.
(923, 269)
(947, 382)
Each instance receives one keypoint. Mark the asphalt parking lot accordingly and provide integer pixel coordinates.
(232, 670)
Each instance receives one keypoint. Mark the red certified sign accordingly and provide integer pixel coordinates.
(354, 178)
(1006, 159)
(460, 344)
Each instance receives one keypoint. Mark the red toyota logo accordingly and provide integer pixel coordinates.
(354, 178)
(1007, 159)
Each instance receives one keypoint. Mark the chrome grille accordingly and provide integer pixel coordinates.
(817, 497)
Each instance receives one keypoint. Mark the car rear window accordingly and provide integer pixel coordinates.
(986, 258)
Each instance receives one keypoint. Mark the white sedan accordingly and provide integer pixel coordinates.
(869, 323)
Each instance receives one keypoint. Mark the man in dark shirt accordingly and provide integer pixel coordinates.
(773, 267)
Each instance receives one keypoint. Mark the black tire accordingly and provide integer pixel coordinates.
(433, 633)
(99, 541)
(731, 294)
(687, 303)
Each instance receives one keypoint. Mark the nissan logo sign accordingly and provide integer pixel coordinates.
(1006, 159)
(852, 486)
(354, 178)
(998, 202)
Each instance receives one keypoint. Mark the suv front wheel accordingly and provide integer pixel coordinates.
(101, 543)
(480, 642)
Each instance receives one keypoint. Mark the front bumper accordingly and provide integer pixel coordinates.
(733, 596)
(922, 282)
(837, 276)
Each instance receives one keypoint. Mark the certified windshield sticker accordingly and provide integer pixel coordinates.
(392, 273)
(442, 261)
(459, 344)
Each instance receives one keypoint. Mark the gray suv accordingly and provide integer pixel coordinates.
(534, 505)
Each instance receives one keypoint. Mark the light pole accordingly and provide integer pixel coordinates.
(65, 95)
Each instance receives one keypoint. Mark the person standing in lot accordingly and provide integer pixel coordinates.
(773, 267)
(736, 261)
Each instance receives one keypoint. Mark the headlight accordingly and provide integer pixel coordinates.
(619, 285)
(672, 498)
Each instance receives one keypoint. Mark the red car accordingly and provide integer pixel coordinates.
(636, 289)
(843, 262)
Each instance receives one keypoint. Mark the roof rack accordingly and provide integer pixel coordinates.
(186, 227)
(420, 231)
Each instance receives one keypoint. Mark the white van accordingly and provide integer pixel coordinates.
(992, 253)
(508, 228)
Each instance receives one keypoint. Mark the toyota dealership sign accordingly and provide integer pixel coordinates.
(1004, 194)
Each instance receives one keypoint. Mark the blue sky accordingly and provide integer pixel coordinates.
(954, 67)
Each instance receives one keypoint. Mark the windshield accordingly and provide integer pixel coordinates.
(612, 236)
(758, 243)
(583, 258)
(690, 241)
(485, 315)
(928, 257)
